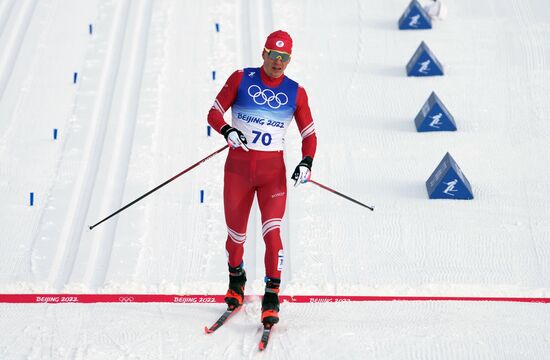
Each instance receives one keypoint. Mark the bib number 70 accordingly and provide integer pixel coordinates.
(264, 137)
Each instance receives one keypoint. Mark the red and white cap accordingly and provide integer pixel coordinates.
(280, 41)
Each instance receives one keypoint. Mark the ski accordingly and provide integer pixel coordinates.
(265, 336)
(225, 316)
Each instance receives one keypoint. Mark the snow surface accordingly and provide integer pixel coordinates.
(137, 116)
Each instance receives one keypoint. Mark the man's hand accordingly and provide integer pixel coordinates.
(303, 171)
(234, 137)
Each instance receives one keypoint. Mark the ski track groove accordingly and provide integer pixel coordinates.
(65, 175)
(185, 261)
(216, 234)
(161, 145)
(8, 56)
(71, 233)
(5, 9)
(119, 160)
(25, 262)
(152, 127)
(14, 41)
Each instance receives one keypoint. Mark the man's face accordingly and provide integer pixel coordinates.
(274, 66)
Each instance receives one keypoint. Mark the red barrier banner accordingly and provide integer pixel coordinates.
(340, 298)
(217, 299)
(108, 298)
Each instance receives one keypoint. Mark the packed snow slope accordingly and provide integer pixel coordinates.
(136, 116)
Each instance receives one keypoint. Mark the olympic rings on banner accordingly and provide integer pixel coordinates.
(126, 299)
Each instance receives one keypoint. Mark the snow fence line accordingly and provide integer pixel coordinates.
(216, 299)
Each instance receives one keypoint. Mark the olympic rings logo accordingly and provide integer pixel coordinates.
(268, 96)
(126, 299)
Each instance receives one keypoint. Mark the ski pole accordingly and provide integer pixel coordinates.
(342, 195)
(161, 185)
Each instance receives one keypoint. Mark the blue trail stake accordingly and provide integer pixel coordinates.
(55, 134)
(202, 196)
(32, 199)
(217, 27)
(214, 75)
(208, 130)
(75, 76)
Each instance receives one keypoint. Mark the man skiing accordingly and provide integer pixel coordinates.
(263, 102)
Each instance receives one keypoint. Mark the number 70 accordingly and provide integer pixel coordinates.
(266, 137)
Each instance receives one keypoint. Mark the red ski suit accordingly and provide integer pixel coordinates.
(257, 172)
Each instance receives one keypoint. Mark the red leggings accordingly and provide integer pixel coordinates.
(263, 173)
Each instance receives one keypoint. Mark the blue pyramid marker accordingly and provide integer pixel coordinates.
(448, 182)
(414, 18)
(434, 116)
(424, 63)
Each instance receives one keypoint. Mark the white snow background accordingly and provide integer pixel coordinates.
(137, 116)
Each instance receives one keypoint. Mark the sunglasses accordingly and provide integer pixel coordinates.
(277, 55)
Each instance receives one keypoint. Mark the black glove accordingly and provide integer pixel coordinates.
(235, 138)
(303, 171)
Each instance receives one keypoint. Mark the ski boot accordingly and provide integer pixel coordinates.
(270, 302)
(235, 294)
